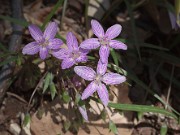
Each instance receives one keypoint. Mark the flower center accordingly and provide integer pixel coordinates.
(44, 43)
(104, 41)
(98, 78)
(75, 54)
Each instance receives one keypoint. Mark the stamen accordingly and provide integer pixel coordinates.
(104, 41)
(98, 78)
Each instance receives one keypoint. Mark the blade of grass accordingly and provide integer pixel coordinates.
(48, 18)
(133, 77)
(115, 57)
(114, 5)
(133, 25)
(16, 21)
(142, 44)
(86, 14)
(63, 13)
(167, 57)
(141, 108)
(3, 48)
(11, 59)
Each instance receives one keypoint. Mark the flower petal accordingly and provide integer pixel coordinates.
(104, 54)
(35, 32)
(86, 73)
(103, 93)
(117, 45)
(61, 54)
(50, 30)
(113, 31)
(113, 78)
(101, 67)
(82, 58)
(97, 28)
(55, 43)
(91, 43)
(83, 112)
(67, 63)
(90, 89)
(43, 52)
(31, 48)
(71, 41)
(84, 51)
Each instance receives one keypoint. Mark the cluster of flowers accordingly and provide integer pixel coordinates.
(47, 43)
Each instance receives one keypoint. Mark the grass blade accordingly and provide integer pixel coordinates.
(141, 108)
(115, 57)
(133, 25)
(16, 21)
(48, 18)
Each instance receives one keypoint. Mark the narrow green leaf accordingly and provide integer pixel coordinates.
(53, 90)
(86, 14)
(114, 5)
(78, 98)
(40, 112)
(27, 119)
(141, 108)
(63, 13)
(3, 48)
(48, 18)
(140, 115)
(14, 20)
(47, 81)
(103, 114)
(163, 130)
(67, 125)
(66, 97)
(115, 57)
(177, 8)
(167, 57)
(142, 44)
(113, 128)
(133, 25)
(8, 60)
(19, 60)
(133, 77)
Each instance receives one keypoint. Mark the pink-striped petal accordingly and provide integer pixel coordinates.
(31, 48)
(61, 54)
(35, 32)
(104, 54)
(55, 43)
(113, 78)
(67, 63)
(50, 30)
(43, 52)
(101, 67)
(90, 89)
(97, 29)
(83, 112)
(91, 43)
(84, 51)
(117, 45)
(103, 94)
(113, 31)
(82, 58)
(86, 73)
(71, 41)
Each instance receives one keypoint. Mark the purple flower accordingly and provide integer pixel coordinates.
(83, 112)
(73, 54)
(98, 79)
(173, 20)
(105, 40)
(44, 42)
